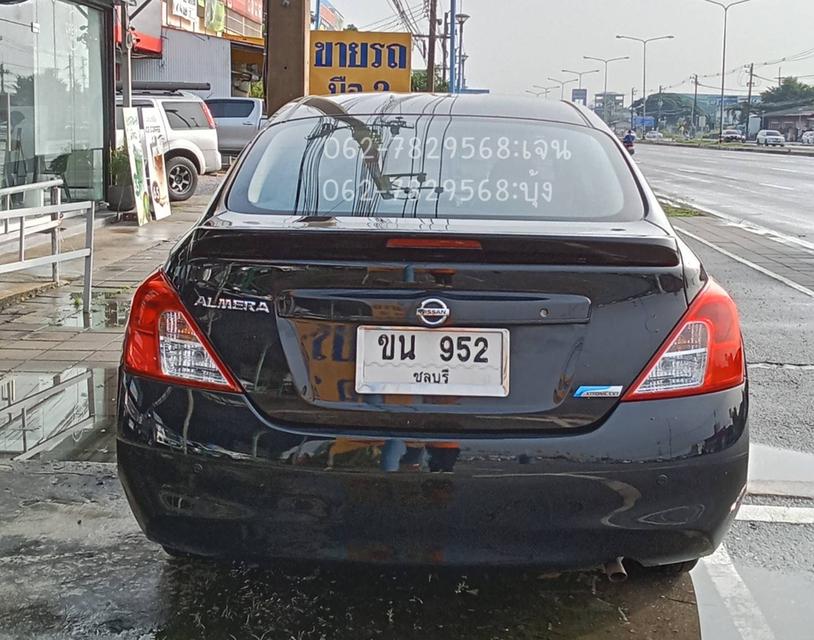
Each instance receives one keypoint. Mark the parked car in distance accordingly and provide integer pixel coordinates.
(237, 120)
(654, 136)
(807, 137)
(192, 140)
(512, 359)
(732, 135)
(770, 137)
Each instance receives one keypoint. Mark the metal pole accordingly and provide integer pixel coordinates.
(723, 79)
(453, 18)
(125, 69)
(694, 105)
(444, 49)
(88, 283)
(56, 198)
(431, 49)
(605, 96)
(460, 76)
(317, 17)
(644, 79)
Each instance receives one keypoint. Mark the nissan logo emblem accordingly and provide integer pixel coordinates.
(433, 312)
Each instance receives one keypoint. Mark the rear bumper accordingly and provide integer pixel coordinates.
(657, 484)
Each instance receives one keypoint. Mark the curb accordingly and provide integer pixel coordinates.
(785, 151)
(11, 299)
(743, 224)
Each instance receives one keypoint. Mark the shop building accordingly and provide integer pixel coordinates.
(56, 94)
(206, 41)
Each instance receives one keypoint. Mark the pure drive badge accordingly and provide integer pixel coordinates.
(232, 304)
(604, 391)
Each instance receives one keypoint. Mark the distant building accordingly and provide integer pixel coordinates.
(792, 123)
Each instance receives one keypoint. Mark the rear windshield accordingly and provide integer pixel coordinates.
(185, 115)
(772, 132)
(436, 167)
(230, 108)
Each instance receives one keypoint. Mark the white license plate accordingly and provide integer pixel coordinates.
(437, 362)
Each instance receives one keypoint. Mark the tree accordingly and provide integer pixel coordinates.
(351, 27)
(790, 93)
(418, 81)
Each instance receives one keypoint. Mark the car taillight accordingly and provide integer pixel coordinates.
(703, 353)
(162, 341)
(209, 119)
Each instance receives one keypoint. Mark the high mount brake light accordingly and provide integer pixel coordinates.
(704, 352)
(162, 341)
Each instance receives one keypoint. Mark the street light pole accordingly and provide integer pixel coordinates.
(453, 18)
(562, 84)
(461, 18)
(545, 90)
(644, 42)
(606, 61)
(579, 74)
(726, 8)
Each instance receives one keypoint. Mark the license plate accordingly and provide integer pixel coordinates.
(437, 362)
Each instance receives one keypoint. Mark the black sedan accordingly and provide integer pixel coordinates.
(434, 329)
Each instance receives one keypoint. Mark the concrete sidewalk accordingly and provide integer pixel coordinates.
(47, 332)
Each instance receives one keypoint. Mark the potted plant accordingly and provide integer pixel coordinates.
(120, 196)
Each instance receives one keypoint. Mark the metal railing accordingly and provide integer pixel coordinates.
(47, 218)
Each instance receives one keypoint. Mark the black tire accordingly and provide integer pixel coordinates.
(182, 178)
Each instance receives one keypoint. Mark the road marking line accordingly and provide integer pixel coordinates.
(737, 598)
(748, 263)
(786, 170)
(694, 179)
(772, 513)
(775, 186)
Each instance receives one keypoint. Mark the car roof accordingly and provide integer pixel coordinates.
(484, 105)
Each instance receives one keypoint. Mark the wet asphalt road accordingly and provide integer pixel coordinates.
(75, 565)
(775, 191)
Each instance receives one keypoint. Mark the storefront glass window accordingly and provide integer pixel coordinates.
(51, 100)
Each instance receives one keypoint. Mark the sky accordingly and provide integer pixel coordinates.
(514, 44)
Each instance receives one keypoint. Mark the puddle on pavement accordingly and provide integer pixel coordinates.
(58, 416)
(108, 309)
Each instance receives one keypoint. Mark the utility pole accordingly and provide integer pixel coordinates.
(287, 49)
(749, 97)
(661, 102)
(694, 105)
(431, 49)
(444, 48)
(632, 100)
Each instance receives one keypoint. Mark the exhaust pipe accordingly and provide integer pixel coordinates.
(615, 570)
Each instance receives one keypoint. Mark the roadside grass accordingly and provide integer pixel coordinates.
(679, 211)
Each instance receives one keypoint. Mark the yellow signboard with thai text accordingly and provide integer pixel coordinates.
(354, 61)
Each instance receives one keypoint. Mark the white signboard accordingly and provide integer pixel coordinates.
(186, 9)
(133, 137)
(155, 143)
